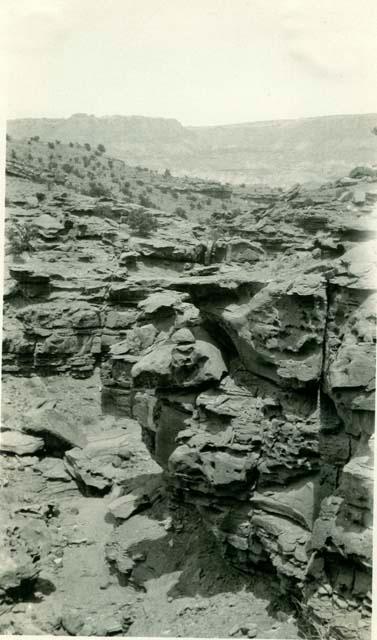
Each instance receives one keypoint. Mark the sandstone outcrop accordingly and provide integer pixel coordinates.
(249, 362)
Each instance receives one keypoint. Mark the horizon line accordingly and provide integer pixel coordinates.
(198, 126)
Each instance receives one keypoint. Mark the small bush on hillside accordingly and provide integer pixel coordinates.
(67, 167)
(51, 145)
(13, 154)
(20, 238)
(180, 212)
(87, 146)
(9, 138)
(142, 222)
(101, 148)
(167, 173)
(98, 190)
(60, 177)
(40, 196)
(71, 144)
(146, 202)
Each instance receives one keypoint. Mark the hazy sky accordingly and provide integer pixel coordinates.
(200, 61)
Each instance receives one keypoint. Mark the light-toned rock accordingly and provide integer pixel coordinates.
(19, 443)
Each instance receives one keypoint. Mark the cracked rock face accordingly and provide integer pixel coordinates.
(276, 452)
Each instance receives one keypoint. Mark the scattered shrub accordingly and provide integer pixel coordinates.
(143, 222)
(40, 196)
(146, 202)
(51, 145)
(167, 173)
(101, 148)
(87, 146)
(20, 237)
(98, 190)
(180, 212)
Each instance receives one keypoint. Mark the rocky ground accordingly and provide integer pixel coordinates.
(155, 573)
(188, 416)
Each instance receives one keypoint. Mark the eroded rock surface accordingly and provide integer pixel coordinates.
(249, 362)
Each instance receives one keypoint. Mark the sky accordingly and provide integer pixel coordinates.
(203, 62)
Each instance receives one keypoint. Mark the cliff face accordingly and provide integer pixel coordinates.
(248, 360)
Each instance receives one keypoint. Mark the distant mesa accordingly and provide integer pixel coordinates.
(277, 152)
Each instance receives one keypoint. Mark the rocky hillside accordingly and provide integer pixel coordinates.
(242, 344)
(277, 153)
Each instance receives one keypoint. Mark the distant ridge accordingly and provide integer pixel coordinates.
(277, 152)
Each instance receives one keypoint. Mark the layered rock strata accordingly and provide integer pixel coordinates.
(249, 362)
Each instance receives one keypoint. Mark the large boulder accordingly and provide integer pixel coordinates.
(179, 365)
(102, 462)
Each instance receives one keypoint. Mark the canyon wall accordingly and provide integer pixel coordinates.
(247, 357)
